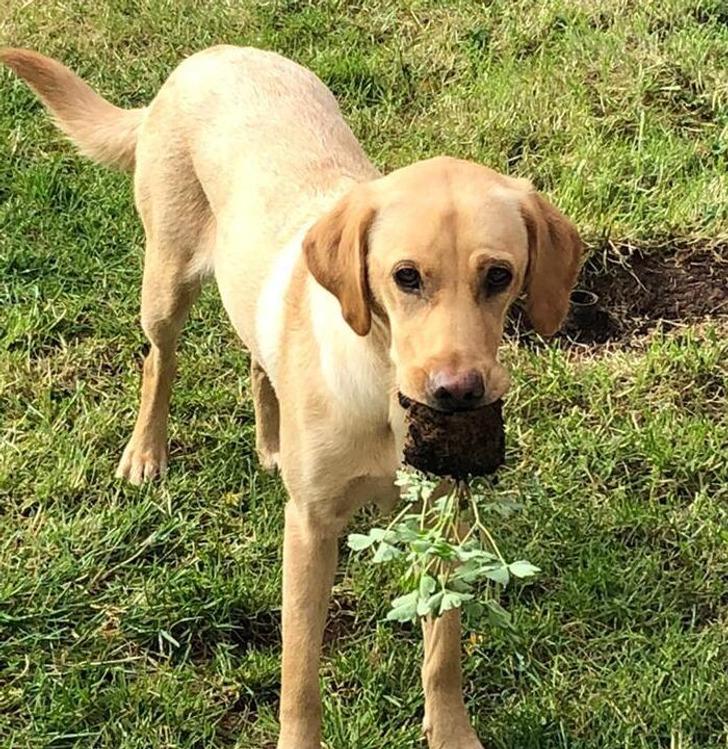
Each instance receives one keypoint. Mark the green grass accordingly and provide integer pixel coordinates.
(149, 618)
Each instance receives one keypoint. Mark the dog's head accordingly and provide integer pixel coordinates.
(440, 250)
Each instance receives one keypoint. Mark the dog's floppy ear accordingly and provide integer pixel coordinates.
(336, 253)
(554, 250)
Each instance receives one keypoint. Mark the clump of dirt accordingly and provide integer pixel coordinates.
(457, 444)
(639, 291)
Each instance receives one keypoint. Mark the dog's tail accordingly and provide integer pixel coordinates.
(100, 130)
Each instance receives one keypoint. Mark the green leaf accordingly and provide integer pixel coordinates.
(404, 608)
(474, 610)
(381, 534)
(426, 490)
(443, 549)
(450, 600)
(467, 574)
(430, 606)
(498, 615)
(403, 599)
(385, 553)
(422, 546)
(459, 585)
(522, 568)
(453, 599)
(407, 533)
(435, 602)
(467, 555)
(472, 572)
(441, 504)
(404, 478)
(427, 586)
(414, 485)
(359, 542)
(499, 574)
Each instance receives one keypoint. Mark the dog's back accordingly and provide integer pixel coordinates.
(244, 117)
(238, 150)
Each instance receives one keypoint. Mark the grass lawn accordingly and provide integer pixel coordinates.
(148, 618)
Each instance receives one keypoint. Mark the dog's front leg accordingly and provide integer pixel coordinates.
(309, 565)
(446, 723)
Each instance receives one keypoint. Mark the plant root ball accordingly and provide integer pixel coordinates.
(457, 444)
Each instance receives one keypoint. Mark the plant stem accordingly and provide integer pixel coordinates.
(483, 530)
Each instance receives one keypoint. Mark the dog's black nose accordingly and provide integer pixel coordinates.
(456, 391)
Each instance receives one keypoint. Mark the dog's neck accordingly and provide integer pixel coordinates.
(356, 371)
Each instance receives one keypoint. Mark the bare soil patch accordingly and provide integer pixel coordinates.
(638, 291)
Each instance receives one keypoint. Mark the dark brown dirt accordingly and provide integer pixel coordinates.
(639, 291)
(341, 621)
(458, 444)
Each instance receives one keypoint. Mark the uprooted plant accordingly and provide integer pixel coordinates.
(452, 558)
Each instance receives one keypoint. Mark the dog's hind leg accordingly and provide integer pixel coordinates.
(267, 419)
(178, 226)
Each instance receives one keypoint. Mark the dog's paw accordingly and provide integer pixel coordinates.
(142, 461)
(452, 742)
(448, 736)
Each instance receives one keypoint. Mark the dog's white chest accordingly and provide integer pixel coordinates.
(271, 307)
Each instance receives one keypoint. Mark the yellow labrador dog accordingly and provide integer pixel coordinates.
(346, 286)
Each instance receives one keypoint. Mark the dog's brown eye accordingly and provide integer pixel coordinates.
(498, 278)
(408, 278)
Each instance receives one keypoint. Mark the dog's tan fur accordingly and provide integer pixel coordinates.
(244, 168)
